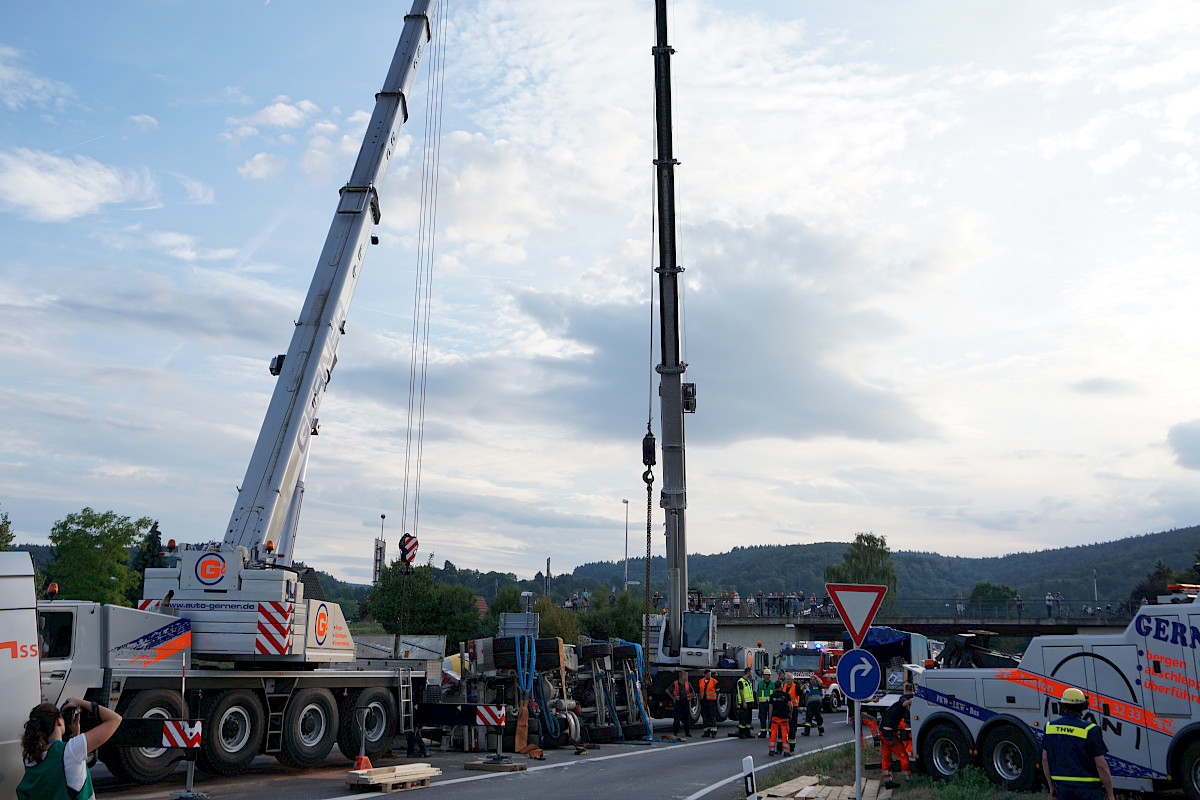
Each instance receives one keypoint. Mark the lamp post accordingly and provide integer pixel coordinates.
(626, 502)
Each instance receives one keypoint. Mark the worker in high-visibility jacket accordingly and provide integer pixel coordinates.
(762, 693)
(679, 692)
(743, 695)
(795, 694)
(781, 709)
(708, 704)
(1073, 753)
(814, 698)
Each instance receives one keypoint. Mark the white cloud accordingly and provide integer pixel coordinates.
(197, 192)
(1116, 158)
(20, 88)
(144, 122)
(50, 188)
(262, 165)
(282, 114)
(184, 247)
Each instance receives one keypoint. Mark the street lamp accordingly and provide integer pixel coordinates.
(626, 502)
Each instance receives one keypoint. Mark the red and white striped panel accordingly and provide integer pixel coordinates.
(146, 605)
(177, 733)
(274, 629)
(489, 715)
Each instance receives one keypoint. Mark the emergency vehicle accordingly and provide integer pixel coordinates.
(1142, 691)
(806, 660)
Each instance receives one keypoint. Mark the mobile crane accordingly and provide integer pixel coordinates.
(290, 682)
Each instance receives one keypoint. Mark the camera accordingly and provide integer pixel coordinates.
(70, 714)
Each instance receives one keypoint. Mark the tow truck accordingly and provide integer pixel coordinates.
(1142, 691)
(269, 659)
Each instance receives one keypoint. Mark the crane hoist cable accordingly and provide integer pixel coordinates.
(418, 365)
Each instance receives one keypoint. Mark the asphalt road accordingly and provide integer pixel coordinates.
(679, 771)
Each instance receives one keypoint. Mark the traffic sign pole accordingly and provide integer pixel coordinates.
(857, 750)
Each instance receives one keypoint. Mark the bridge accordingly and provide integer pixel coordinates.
(923, 617)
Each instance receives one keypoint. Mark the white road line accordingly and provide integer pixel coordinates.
(764, 765)
(489, 775)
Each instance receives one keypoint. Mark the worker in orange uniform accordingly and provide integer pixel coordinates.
(892, 728)
(781, 709)
(708, 704)
(794, 693)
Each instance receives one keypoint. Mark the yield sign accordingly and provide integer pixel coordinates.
(856, 604)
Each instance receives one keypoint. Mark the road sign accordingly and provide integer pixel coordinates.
(856, 604)
(858, 674)
(408, 547)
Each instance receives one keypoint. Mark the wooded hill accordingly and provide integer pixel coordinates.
(1120, 565)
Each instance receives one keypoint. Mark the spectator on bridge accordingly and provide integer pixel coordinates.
(801, 598)
(737, 604)
(825, 605)
(959, 605)
(1059, 602)
(762, 604)
(1049, 604)
(812, 604)
(1020, 605)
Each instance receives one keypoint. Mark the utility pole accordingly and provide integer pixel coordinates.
(626, 502)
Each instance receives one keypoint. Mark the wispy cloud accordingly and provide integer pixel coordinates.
(20, 88)
(50, 188)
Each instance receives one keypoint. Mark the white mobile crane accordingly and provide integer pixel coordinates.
(289, 683)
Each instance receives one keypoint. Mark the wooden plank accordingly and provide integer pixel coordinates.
(491, 766)
(870, 789)
(392, 786)
(789, 788)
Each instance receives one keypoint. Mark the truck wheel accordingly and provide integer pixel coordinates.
(1189, 771)
(724, 706)
(694, 708)
(835, 701)
(595, 650)
(233, 731)
(380, 724)
(944, 752)
(310, 726)
(149, 764)
(1009, 760)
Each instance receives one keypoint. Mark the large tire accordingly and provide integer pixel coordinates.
(380, 725)
(310, 726)
(147, 765)
(1189, 771)
(944, 752)
(234, 724)
(1010, 760)
(724, 706)
(694, 708)
(595, 650)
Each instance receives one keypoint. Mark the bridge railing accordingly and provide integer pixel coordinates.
(907, 608)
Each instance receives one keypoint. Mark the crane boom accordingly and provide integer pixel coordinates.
(672, 399)
(266, 493)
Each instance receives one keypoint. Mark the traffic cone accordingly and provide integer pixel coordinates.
(362, 762)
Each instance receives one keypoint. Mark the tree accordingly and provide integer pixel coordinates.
(423, 606)
(985, 592)
(554, 620)
(6, 536)
(867, 560)
(507, 601)
(621, 621)
(1154, 584)
(147, 556)
(91, 555)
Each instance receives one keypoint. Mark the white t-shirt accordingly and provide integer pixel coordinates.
(75, 763)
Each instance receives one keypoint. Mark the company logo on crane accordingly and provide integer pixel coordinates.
(210, 569)
(322, 627)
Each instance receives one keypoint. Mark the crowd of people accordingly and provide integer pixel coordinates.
(763, 604)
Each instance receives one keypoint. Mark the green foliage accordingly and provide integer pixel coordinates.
(91, 555)
(554, 620)
(351, 597)
(507, 601)
(413, 603)
(622, 621)
(146, 556)
(1154, 584)
(867, 560)
(985, 592)
(6, 536)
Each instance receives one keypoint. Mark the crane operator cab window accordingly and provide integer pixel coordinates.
(55, 630)
(696, 629)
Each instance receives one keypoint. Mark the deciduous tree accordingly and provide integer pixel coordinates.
(6, 536)
(147, 556)
(867, 560)
(91, 555)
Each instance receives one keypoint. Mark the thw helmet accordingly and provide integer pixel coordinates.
(766, 672)
(1074, 697)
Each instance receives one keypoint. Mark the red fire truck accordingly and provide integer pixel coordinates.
(805, 660)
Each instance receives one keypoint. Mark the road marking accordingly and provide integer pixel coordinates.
(765, 765)
(487, 776)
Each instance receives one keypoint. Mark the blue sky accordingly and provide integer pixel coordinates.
(940, 280)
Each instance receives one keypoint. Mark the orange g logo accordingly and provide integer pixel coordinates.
(210, 569)
(322, 627)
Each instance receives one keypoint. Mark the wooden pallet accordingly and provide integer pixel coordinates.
(391, 779)
(806, 787)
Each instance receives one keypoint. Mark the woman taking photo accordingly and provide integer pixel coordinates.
(56, 769)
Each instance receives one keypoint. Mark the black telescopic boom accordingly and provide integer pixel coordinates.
(671, 369)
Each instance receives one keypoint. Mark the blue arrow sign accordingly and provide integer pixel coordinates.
(858, 674)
